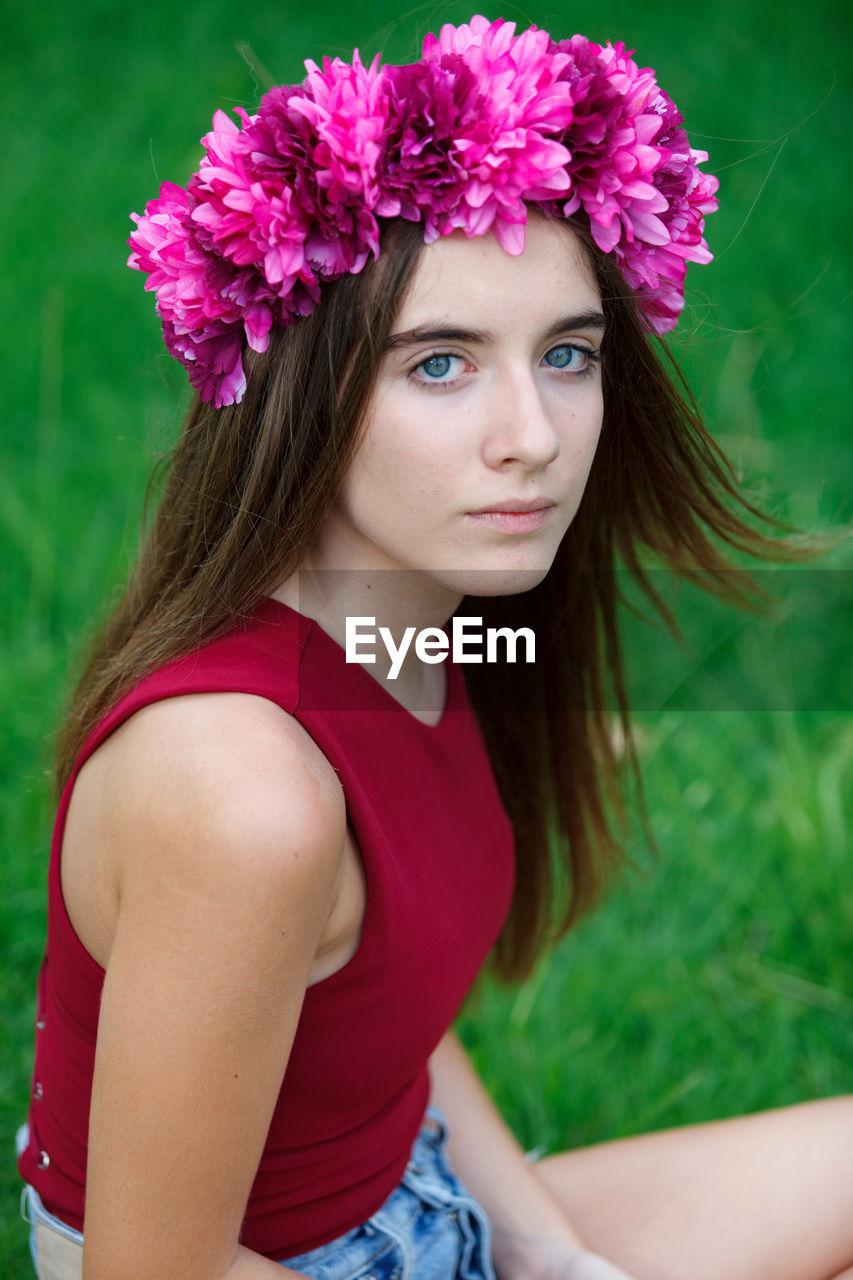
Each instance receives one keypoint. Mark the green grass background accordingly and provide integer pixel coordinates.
(717, 978)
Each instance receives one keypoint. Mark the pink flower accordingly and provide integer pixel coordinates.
(204, 311)
(635, 176)
(213, 359)
(325, 142)
(514, 106)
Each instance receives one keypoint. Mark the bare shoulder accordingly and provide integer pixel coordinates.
(218, 790)
(238, 758)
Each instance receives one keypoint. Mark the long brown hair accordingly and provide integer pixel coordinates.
(248, 489)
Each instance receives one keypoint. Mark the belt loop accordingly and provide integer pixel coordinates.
(437, 1122)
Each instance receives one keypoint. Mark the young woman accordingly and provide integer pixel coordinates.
(416, 304)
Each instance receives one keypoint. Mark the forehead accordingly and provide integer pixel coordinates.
(481, 283)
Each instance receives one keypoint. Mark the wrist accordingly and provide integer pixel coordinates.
(524, 1255)
(528, 1258)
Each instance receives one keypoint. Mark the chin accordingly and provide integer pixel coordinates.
(494, 582)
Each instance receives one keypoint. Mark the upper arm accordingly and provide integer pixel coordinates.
(226, 829)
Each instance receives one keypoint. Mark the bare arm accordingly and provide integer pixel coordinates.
(532, 1238)
(226, 831)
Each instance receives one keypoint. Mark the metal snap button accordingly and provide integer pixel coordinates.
(40, 1024)
(44, 1160)
(38, 1091)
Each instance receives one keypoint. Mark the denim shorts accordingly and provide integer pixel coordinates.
(429, 1228)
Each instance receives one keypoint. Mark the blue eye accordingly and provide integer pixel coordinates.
(562, 357)
(436, 366)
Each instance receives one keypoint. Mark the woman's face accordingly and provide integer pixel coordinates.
(484, 421)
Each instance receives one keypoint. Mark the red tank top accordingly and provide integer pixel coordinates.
(438, 856)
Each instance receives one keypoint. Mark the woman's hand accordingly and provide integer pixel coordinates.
(586, 1266)
(525, 1258)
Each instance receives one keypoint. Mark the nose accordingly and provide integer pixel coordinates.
(521, 431)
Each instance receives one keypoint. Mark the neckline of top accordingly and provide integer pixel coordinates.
(455, 680)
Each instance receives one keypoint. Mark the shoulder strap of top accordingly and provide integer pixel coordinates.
(260, 656)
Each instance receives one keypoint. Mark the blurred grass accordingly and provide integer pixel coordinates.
(716, 979)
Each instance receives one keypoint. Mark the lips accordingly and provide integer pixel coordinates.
(515, 516)
(515, 506)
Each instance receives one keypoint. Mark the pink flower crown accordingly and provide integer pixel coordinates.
(487, 121)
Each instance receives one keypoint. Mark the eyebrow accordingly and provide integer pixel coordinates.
(481, 337)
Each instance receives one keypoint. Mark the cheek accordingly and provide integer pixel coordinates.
(581, 429)
(395, 476)
(593, 434)
(409, 456)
